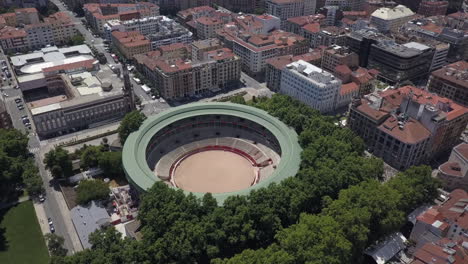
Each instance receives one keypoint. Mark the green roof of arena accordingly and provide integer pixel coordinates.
(134, 151)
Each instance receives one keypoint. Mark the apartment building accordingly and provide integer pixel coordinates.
(310, 85)
(328, 36)
(178, 75)
(130, 43)
(433, 8)
(194, 13)
(207, 27)
(255, 49)
(13, 39)
(160, 30)
(275, 66)
(201, 47)
(296, 24)
(21, 16)
(284, 9)
(451, 81)
(98, 14)
(337, 55)
(245, 6)
(5, 119)
(387, 19)
(407, 126)
(397, 63)
(54, 30)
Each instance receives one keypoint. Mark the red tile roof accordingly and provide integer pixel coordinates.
(463, 150)
(209, 21)
(302, 20)
(349, 88)
(451, 168)
(11, 32)
(220, 54)
(131, 38)
(313, 27)
(412, 132)
(88, 64)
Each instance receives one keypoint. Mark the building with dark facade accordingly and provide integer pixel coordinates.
(397, 63)
(407, 126)
(451, 81)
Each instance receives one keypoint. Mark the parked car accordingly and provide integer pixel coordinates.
(50, 221)
(18, 100)
(52, 228)
(41, 198)
(26, 121)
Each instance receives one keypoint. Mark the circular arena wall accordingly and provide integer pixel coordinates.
(147, 151)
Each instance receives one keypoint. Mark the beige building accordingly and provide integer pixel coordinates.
(387, 19)
(207, 26)
(337, 55)
(201, 47)
(177, 75)
(130, 43)
(56, 29)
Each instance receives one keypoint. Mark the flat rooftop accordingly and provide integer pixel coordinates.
(87, 88)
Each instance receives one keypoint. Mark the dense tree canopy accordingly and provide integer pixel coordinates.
(16, 165)
(328, 213)
(89, 190)
(131, 122)
(58, 162)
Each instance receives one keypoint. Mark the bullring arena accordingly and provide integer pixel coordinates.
(219, 148)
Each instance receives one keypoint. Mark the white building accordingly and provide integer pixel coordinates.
(387, 19)
(310, 85)
(160, 30)
(285, 9)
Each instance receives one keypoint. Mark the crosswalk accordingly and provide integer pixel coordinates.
(34, 150)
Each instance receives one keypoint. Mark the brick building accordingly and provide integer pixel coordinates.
(407, 126)
(451, 81)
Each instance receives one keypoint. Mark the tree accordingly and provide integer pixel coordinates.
(32, 180)
(111, 164)
(55, 245)
(58, 162)
(78, 39)
(90, 156)
(130, 123)
(238, 100)
(89, 190)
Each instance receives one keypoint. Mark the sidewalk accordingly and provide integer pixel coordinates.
(41, 217)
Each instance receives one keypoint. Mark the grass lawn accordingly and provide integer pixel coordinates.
(21, 239)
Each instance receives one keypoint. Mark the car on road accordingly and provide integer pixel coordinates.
(28, 126)
(20, 107)
(16, 86)
(49, 220)
(18, 100)
(138, 81)
(41, 198)
(52, 228)
(6, 95)
(26, 121)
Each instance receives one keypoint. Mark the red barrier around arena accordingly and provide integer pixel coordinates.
(207, 148)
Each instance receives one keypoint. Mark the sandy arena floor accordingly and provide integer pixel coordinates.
(214, 171)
